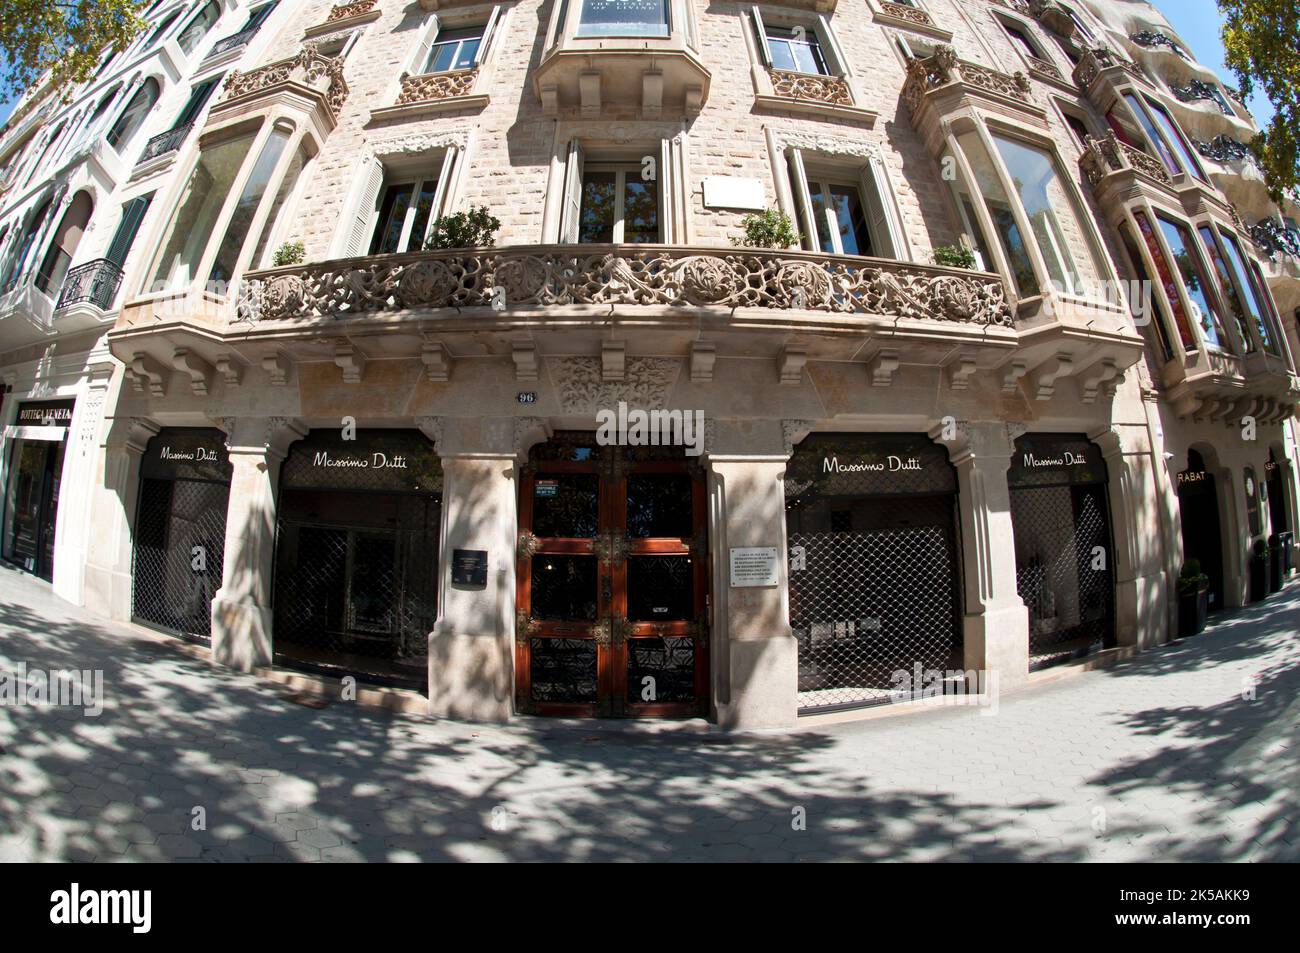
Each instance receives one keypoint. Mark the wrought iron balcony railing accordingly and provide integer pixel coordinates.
(235, 40)
(1151, 39)
(1275, 238)
(531, 277)
(95, 282)
(1197, 89)
(1224, 148)
(165, 142)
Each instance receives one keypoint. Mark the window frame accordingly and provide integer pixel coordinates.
(581, 5)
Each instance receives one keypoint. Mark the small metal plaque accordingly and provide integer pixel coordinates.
(753, 566)
(469, 567)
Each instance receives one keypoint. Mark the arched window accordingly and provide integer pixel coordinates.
(132, 118)
(17, 264)
(64, 245)
(162, 28)
(46, 150)
(198, 27)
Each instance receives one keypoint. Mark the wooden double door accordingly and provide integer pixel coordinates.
(612, 582)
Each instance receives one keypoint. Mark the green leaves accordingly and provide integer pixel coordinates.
(65, 39)
(954, 256)
(290, 253)
(475, 229)
(1262, 42)
(770, 228)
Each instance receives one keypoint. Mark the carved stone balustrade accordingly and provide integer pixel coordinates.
(1108, 155)
(1099, 67)
(806, 86)
(565, 276)
(941, 87)
(314, 80)
(346, 11)
(435, 86)
(1045, 69)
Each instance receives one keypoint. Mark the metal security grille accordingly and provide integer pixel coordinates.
(874, 580)
(359, 597)
(1063, 570)
(179, 545)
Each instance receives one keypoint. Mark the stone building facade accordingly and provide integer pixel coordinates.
(877, 474)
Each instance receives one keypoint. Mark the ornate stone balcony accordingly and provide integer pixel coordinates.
(562, 276)
(1108, 155)
(909, 18)
(437, 92)
(313, 81)
(806, 86)
(348, 11)
(1043, 69)
(345, 16)
(1109, 68)
(940, 87)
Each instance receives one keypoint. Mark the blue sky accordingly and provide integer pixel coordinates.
(1199, 23)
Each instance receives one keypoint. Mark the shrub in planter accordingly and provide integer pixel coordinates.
(476, 228)
(1193, 598)
(954, 256)
(290, 253)
(1259, 571)
(770, 228)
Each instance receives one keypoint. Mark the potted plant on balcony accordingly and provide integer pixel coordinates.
(770, 228)
(1259, 571)
(290, 253)
(476, 228)
(1193, 598)
(954, 256)
(1276, 565)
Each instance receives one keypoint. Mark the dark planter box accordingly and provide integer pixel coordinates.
(1276, 570)
(1258, 578)
(1193, 609)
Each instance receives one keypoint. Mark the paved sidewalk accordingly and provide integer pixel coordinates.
(1156, 759)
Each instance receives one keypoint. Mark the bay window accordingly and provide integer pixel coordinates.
(1253, 294)
(996, 202)
(239, 186)
(1164, 136)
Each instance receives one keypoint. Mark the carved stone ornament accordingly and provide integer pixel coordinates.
(822, 89)
(309, 68)
(646, 383)
(435, 86)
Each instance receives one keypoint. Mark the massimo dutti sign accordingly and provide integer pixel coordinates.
(395, 461)
(187, 453)
(1055, 460)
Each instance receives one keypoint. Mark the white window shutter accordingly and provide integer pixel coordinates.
(442, 191)
(419, 60)
(803, 201)
(369, 180)
(835, 60)
(487, 35)
(764, 53)
(882, 216)
(667, 186)
(572, 205)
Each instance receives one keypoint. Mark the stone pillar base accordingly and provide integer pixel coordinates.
(241, 634)
(108, 593)
(764, 684)
(1142, 611)
(997, 640)
(471, 676)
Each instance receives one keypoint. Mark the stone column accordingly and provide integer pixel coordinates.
(1141, 604)
(115, 492)
(241, 608)
(755, 659)
(471, 648)
(996, 623)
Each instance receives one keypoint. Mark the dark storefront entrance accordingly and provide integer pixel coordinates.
(1276, 475)
(1198, 506)
(32, 497)
(356, 576)
(1060, 516)
(612, 581)
(180, 530)
(874, 575)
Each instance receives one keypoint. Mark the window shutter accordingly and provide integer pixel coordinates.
(369, 181)
(764, 53)
(440, 193)
(882, 217)
(198, 99)
(572, 194)
(421, 56)
(132, 215)
(835, 61)
(803, 201)
(667, 186)
(487, 36)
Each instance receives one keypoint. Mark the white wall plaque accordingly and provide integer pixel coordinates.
(729, 191)
(753, 566)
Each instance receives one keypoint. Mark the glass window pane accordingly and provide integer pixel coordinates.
(1176, 140)
(199, 207)
(623, 18)
(281, 196)
(1205, 311)
(423, 209)
(232, 243)
(1163, 151)
(596, 220)
(566, 505)
(1167, 282)
(660, 588)
(640, 210)
(1230, 295)
(564, 588)
(825, 240)
(1258, 308)
(999, 208)
(392, 215)
(1048, 207)
(851, 220)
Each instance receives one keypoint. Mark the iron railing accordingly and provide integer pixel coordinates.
(95, 282)
(165, 142)
(231, 42)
